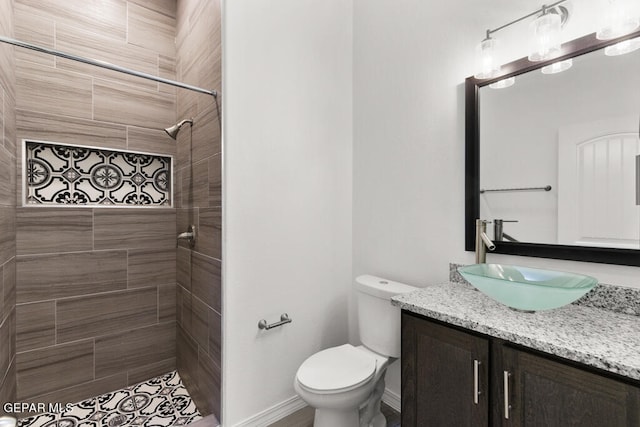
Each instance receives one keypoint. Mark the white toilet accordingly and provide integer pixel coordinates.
(345, 383)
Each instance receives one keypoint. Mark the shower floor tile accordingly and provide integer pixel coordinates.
(159, 402)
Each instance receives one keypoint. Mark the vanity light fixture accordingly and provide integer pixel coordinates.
(545, 45)
(545, 37)
(557, 67)
(487, 63)
(620, 19)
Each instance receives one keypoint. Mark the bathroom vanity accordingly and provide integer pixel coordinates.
(470, 361)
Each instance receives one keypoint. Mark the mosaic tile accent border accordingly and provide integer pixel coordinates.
(58, 174)
(159, 402)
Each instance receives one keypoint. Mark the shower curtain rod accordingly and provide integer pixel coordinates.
(106, 65)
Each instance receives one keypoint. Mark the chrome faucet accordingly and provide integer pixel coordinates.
(483, 242)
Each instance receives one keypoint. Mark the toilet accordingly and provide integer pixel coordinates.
(345, 383)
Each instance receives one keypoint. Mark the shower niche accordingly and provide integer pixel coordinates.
(68, 175)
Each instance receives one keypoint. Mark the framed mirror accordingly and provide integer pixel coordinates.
(557, 154)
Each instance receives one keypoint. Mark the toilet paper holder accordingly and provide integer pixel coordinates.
(284, 319)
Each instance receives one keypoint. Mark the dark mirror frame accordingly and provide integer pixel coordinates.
(571, 49)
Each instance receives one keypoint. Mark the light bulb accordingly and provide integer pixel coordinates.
(557, 67)
(619, 19)
(623, 47)
(487, 64)
(501, 84)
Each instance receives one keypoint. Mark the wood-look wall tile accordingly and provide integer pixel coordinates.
(144, 372)
(187, 361)
(50, 230)
(46, 89)
(8, 76)
(167, 70)
(107, 313)
(70, 130)
(119, 103)
(209, 384)
(187, 310)
(150, 141)
(135, 348)
(167, 303)
(45, 277)
(104, 17)
(130, 228)
(151, 29)
(183, 268)
(53, 368)
(8, 388)
(88, 43)
(166, 7)
(6, 353)
(206, 133)
(151, 267)
(10, 126)
(210, 225)
(206, 280)
(179, 300)
(81, 391)
(9, 282)
(7, 233)
(2, 303)
(200, 323)
(7, 178)
(215, 180)
(37, 30)
(195, 190)
(36, 325)
(215, 335)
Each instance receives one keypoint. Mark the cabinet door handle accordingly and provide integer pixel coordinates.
(507, 406)
(476, 380)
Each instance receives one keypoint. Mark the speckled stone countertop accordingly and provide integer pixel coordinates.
(593, 336)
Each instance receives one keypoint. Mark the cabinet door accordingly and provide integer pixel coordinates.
(444, 375)
(544, 392)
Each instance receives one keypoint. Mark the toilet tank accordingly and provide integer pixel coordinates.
(378, 320)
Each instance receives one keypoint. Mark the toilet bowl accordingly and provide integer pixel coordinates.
(339, 381)
(345, 383)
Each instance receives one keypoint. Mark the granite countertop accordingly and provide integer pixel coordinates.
(593, 336)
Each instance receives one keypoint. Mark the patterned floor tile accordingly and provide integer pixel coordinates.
(159, 402)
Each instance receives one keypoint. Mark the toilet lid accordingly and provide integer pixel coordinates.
(337, 368)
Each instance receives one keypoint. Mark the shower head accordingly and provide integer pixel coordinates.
(172, 131)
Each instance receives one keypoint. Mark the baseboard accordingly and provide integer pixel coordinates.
(274, 413)
(392, 399)
(295, 403)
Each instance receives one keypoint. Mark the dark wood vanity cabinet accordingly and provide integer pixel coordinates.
(451, 377)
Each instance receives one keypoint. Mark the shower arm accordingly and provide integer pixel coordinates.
(106, 65)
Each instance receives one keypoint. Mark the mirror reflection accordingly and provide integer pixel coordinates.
(558, 154)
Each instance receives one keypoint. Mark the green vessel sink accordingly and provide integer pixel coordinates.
(525, 288)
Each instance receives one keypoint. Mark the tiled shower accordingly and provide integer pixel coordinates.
(96, 299)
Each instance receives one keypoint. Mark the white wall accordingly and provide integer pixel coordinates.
(287, 186)
(410, 61)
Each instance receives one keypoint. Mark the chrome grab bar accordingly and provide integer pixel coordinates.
(284, 319)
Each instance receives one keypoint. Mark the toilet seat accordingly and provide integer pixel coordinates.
(336, 370)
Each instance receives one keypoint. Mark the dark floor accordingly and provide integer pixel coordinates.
(304, 418)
